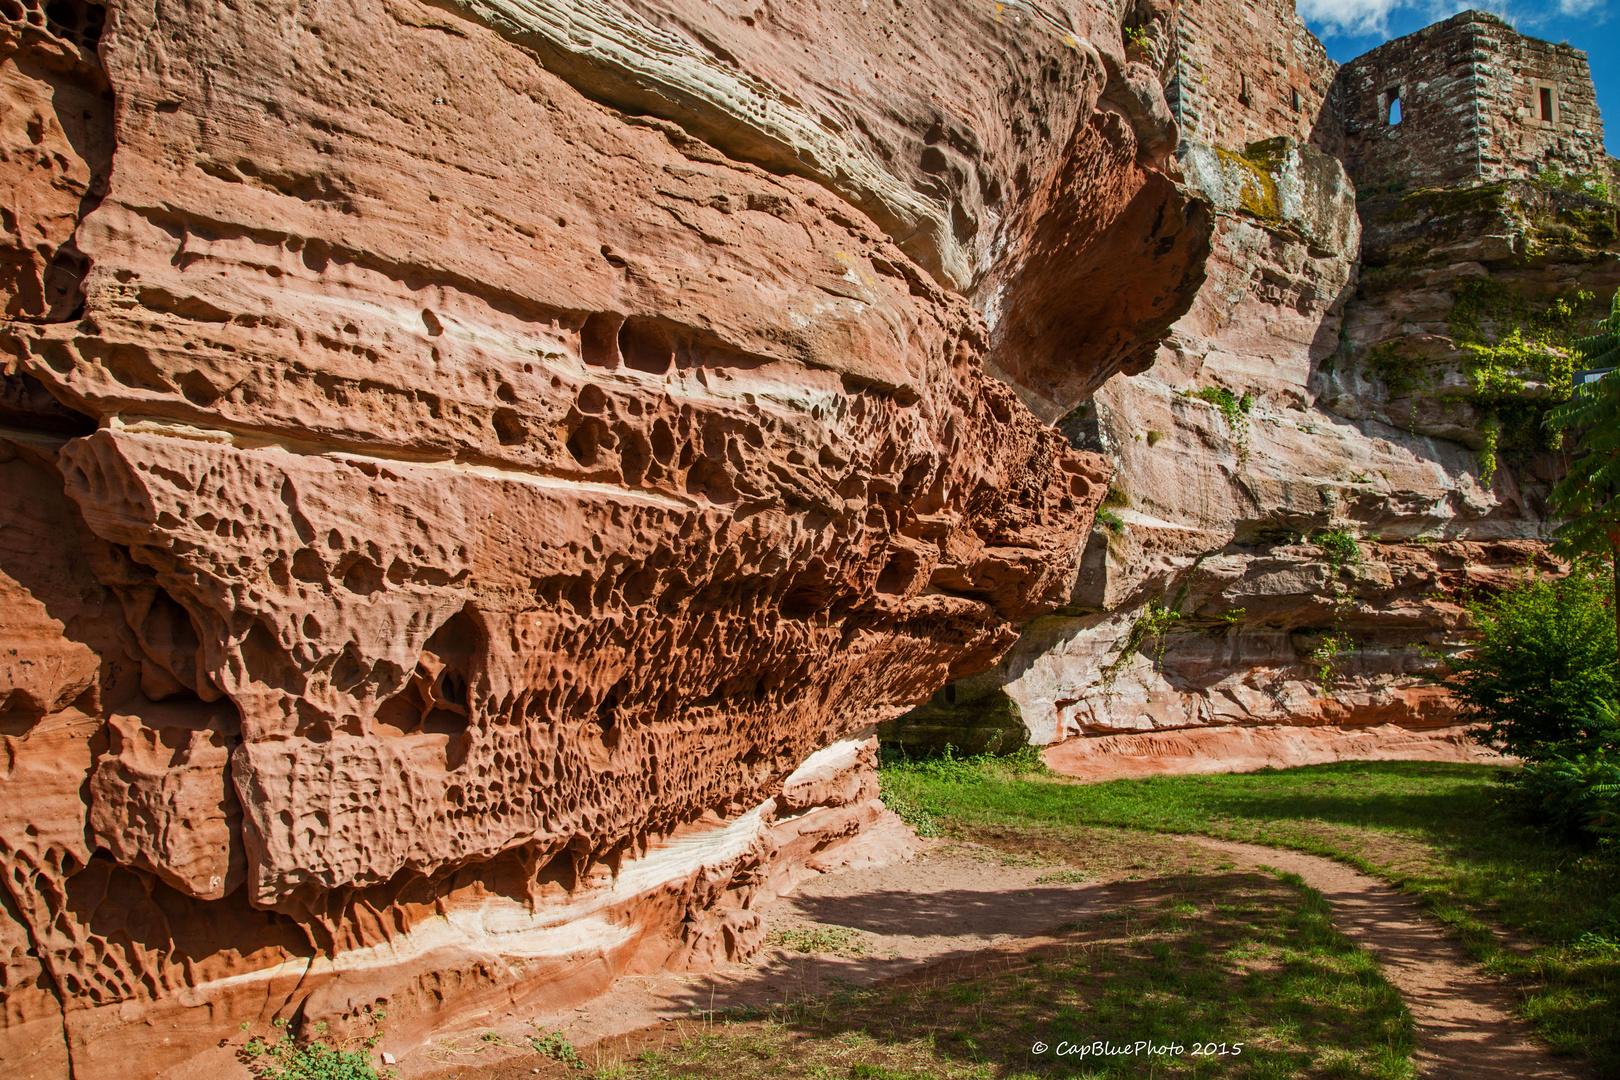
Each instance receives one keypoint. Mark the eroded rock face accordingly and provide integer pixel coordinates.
(474, 463)
(1204, 750)
(56, 129)
(1295, 553)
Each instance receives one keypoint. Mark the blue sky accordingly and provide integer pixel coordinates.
(1350, 27)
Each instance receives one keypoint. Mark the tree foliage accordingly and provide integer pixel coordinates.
(1543, 671)
(1589, 495)
(1577, 795)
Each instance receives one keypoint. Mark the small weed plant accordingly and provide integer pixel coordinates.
(314, 1059)
(1326, 658)
(839, 940)
(1234, 410)
(553, 1045)
(1339, 547)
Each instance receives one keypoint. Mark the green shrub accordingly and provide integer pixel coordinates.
(1578, 795)
(1339, 547)
(1542, 671)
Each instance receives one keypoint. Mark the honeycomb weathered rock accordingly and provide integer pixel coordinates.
(465, 467)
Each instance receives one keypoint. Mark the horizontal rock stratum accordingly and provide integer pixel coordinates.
(476, 473)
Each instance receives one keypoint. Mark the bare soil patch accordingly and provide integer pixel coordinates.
(951, 903)
(915, 943)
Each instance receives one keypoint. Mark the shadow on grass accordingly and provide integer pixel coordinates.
(1197, 963)
(1480, 863)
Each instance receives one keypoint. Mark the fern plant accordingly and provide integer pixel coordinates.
(1577, 794)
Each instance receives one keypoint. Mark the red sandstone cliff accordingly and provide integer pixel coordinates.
(1313, 534)
(475, 471)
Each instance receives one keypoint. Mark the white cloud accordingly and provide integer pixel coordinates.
(1354, 18)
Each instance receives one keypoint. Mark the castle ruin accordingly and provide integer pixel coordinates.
(1239, 73)
(1379, 226)
(1465, 101)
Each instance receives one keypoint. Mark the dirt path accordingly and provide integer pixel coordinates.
(952, 903)
(1465, 1026)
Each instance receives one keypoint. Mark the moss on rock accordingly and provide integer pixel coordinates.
(1254, 184)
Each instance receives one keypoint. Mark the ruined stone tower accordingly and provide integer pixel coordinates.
(1468, 100)
(1239, 73)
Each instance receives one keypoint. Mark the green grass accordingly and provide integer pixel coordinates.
(1195, 961)
(1437, 830)
(840, 940)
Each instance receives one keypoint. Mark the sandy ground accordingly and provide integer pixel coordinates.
(953, 902)
(1248, 749)
(948, 902)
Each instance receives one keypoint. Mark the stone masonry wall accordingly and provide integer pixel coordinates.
(1469, 94)
(1518, 142)
(1244, 72)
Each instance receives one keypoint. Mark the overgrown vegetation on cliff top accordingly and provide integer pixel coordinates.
(1595, 184)
(1450, 834)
